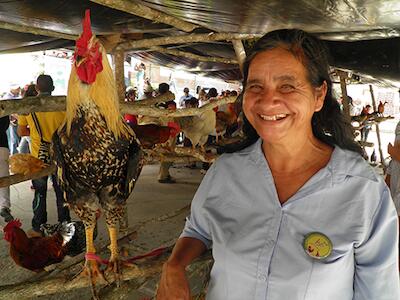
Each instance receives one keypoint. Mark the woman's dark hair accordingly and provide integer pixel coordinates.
(329, 124)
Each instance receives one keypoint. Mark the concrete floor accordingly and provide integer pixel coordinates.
(148, 200)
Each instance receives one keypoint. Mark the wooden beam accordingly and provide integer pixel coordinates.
(147, 13)
(17, 178)
(156, 112)
(57, 103)
(119, 59)
(37, 31)
(240, 53)
(183, 39)
(193, 56)
(143, 269)
(32, 104)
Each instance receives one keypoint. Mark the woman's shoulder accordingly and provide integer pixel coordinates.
(352, 164)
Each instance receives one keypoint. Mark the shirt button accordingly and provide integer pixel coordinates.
(262, 277)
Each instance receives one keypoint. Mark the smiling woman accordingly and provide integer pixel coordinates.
(296, 204)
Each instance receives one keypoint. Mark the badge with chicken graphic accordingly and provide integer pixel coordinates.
(317, 245)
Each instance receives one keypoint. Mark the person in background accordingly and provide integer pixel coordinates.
(130, 96)
(25, 142)
(186, 96)
(5, 203)
(294, 212)
(140, 69)
(366, 125)
(48, 123)
(163, 175)
(13, 138)
(202, 97)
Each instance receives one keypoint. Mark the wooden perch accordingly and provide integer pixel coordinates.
(147, 13)
(57, 103)
(180, 53)
(104, 245)
(168, 96)
(152, 157)
(32, 104)
(157, 112)
(180, 155)
(144, 269)
(37, 31)
(209, 158)
(17, 178)
(182, 39)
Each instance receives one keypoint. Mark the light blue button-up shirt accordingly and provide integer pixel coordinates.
(257, 243)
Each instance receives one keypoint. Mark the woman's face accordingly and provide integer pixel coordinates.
(279, 101)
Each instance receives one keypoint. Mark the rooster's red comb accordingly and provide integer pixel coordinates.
(86, 26)
(12, 224)
(88, 59)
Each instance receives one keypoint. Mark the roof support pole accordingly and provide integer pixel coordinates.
(378, 134)
(119, 59)
(240, 53)
(343, 87)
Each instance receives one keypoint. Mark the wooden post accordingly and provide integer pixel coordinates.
(240, 53)
(343, 87)
(119, 59)
(378, 134)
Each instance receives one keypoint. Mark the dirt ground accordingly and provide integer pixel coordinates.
(149, 200)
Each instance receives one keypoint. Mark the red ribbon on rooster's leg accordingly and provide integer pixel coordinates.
(153, 253)
(92, 256)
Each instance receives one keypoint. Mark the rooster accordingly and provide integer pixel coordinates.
(25, 164)
(97, 155)
(381, 108)
(77, 243)
(197, 128)
(38, 252)
(150, 135)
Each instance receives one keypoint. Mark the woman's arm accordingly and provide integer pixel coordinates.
(173, 283)
(376, 258)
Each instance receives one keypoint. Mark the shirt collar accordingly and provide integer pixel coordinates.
(343, 163)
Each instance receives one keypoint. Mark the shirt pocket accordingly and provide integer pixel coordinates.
(332, 276)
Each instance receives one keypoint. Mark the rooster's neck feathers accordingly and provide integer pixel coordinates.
(101, 92)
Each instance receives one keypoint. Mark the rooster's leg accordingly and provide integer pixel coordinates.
(91, 268)
(114, 264)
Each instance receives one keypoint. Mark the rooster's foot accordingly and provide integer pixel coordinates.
(114, 267)
(92, 270)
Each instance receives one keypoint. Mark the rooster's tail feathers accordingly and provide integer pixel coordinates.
(67, 231)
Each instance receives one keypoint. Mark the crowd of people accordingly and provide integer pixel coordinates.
(203, 96)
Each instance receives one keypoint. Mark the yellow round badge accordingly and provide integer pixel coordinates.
(317, 245)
